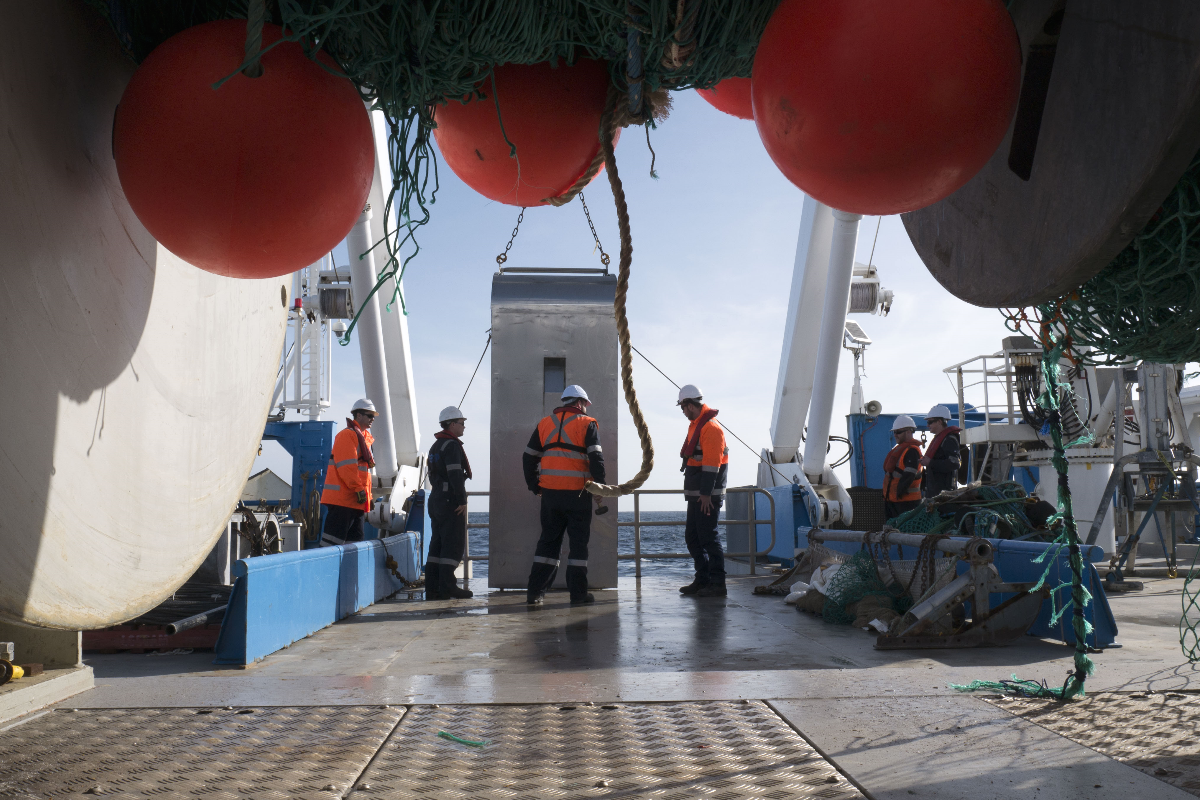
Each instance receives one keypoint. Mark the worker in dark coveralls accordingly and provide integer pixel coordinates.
(449, 471)
(941, 460)
(562, 455)
(705, 471)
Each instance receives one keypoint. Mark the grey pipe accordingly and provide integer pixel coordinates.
(963, 547)
(195, 621)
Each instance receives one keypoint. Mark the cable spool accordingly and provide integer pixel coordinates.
(864, 297)
(336, 303)
(1105, 83)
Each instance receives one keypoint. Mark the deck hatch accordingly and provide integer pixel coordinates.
(727, 750)
(280, 753)
(1155, 733)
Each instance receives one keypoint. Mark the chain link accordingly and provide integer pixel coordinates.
(500, 259)
(603, 255)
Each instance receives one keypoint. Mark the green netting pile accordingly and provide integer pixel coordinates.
(1146, 303)
(408, 55)
(991, 511)
(857, 578)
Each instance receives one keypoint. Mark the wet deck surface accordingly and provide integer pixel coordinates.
(886, 719)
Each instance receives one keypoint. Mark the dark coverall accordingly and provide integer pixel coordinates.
(942, 473)
(564, 511)
(448, 473)
(700, 530)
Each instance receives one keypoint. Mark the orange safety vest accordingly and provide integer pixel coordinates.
(706, 438)
(348, 473)
(893, 471)
(564, 463)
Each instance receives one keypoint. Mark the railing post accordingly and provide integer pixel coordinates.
(637, 535)
(752, 524)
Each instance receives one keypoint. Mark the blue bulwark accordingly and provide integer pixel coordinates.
(282, 598)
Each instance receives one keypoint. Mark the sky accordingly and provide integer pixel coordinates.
(714, 241)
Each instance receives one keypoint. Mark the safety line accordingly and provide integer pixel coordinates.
(480, 361)
(724, 425)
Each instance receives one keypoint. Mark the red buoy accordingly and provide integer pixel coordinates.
(255, 179)
(732, 96)
(880, 107)
(550, 113)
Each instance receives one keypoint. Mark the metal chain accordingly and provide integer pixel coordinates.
(500, 259)
(603, 255)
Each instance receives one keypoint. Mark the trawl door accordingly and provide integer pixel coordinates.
(548, 331)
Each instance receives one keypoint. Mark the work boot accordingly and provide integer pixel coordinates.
(577, 582)
(541, 576)
(712, 590)
(692, 587)
(584, 600)
(433, 581)
(449, 587)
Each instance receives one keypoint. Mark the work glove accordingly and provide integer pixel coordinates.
(361, 495)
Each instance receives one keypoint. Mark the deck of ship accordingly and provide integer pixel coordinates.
(886, 721)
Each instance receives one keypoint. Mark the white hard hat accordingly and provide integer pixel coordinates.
(363, 405)
(938, 412)
(903, 421)
(689, 391)
(450, 413)
(575, 390)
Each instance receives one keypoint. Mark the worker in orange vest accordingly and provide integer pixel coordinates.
(705, 471)
(902, 470)
(346, 497)
(562, 455)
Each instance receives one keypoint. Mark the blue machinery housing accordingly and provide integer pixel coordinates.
(1014, 560)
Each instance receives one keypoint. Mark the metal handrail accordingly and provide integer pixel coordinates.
(637, 524)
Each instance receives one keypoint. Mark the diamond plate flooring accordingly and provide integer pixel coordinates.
(1157, 733)
(667, 751)
(265, 753)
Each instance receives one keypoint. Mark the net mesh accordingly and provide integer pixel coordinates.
(856, 579)
(1145, 304)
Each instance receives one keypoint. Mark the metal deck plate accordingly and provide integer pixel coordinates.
(265, 753)
(669, 751)
(1158, 734)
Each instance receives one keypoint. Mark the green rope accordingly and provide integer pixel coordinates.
(460, 740)
(1069, 538)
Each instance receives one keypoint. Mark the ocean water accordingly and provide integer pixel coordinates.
(664, 539)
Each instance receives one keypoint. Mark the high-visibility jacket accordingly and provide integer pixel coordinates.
(706, 467)
(902, 473)
(349, 472)
(564, 452)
